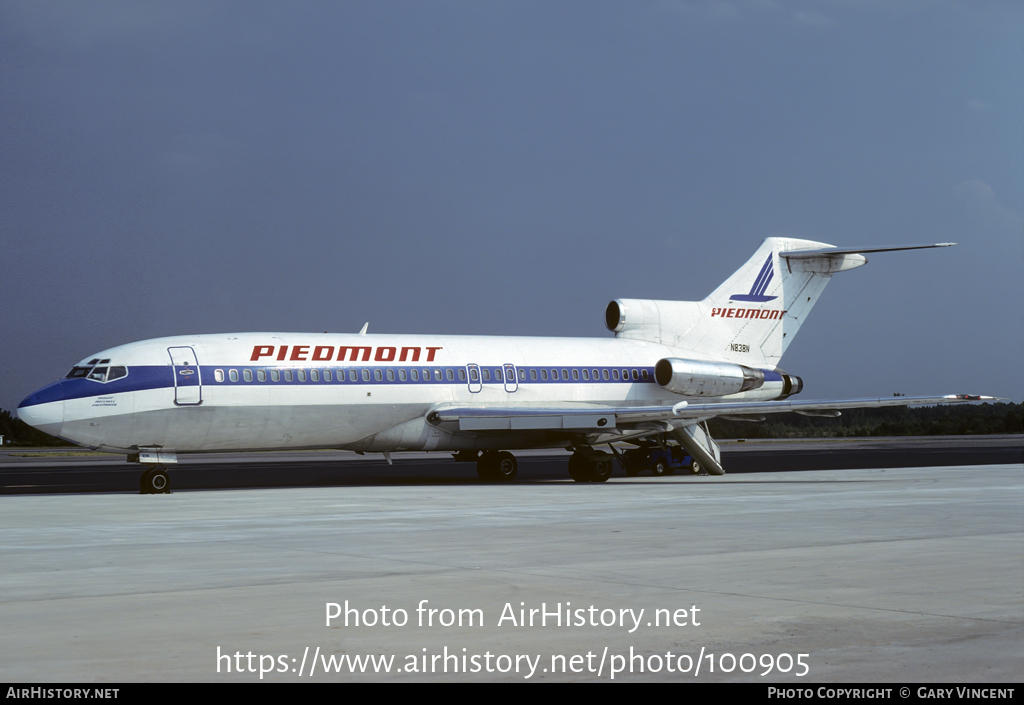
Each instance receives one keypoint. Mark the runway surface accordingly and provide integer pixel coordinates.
(911, 574)
(32, 471)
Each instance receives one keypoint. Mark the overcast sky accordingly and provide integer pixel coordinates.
(508, 168)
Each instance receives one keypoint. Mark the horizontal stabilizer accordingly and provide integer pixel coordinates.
(836, 251)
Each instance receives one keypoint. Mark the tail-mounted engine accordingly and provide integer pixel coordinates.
(791, 384)
(699, 378)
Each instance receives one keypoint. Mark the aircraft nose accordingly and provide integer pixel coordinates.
(44, 409)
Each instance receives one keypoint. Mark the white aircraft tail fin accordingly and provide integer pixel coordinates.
(755, 314)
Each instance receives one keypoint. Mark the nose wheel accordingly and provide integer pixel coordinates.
(155, 481)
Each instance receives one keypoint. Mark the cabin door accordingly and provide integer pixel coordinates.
(188, 386)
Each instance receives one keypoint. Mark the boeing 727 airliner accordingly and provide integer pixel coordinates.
(670, 367)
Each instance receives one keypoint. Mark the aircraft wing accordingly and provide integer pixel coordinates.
(591, 418)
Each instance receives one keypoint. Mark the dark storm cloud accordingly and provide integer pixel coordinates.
(508, 168)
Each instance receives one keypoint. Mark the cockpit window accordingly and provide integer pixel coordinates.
(96, 373)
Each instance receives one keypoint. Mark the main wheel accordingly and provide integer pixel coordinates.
(578, 468)
(660, 467)
(487, 465)
(600, 467)
(505, 467)
(155, 481)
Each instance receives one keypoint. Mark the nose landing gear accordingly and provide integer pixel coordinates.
(155, 481)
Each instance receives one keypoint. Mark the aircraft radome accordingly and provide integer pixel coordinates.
(670, 367)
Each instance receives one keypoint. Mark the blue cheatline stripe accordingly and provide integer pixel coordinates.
(161, 377)
(209, 375)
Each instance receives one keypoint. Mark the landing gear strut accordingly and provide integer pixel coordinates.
(497, 466)
(590, 466)
(155, 481)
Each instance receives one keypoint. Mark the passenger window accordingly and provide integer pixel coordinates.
(636, 375)
(474, 375)
(487, 375)
(275, 375)
(544, 375)
(604, 374)
(625, 375)
(218, 375)
(415, 374)
(522, 375)
(586, 374)
(565, 373)
(288, 376)
(615, 375)
(449, 374)
(247, 375)
(365, 375)
(575, 374)
(497, 375)
(314, 375)
(327, 375)
(261, 375)
(233, 375)
(533, 374)
(302, 375)
(391, 375)
(597, 375)
(401, 375)
(643, 373)
(462, 375)
(377, 375)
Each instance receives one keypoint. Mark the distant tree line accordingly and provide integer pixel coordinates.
(17, 432)
(959, 420)
(944, 420)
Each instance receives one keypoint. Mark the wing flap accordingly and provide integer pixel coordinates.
(604, 418)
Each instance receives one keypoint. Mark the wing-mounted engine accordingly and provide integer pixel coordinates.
(700, 378)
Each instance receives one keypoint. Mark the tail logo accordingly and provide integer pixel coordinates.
(764, 277)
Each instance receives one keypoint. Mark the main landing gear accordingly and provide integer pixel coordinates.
(155, 481)
(590, 465)
(497, 466)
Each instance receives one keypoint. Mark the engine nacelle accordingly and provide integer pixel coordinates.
(791, 384)
(699, 378)
(646, 319)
